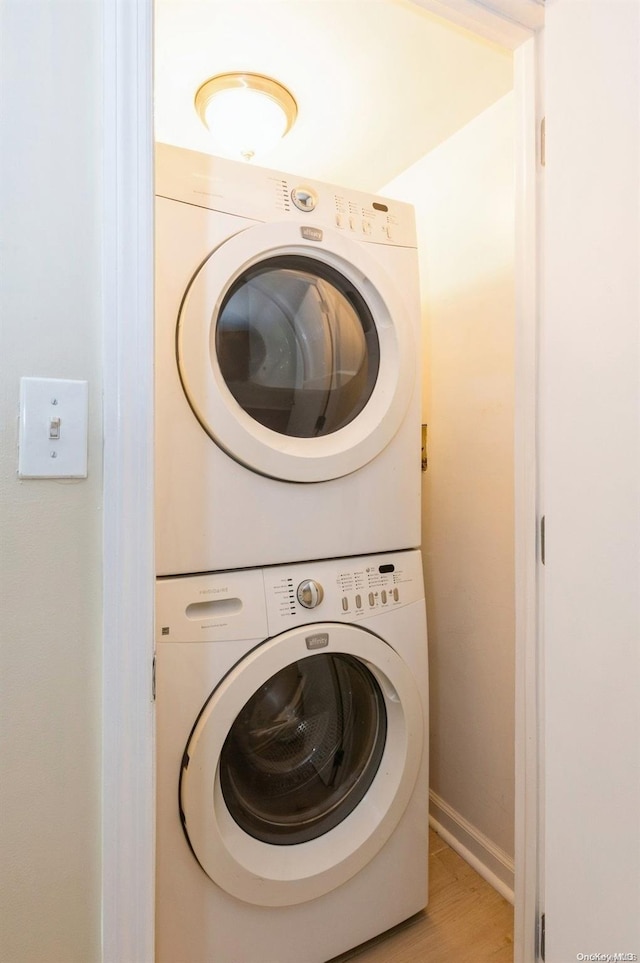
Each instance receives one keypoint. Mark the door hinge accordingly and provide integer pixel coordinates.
(542, 538)
(153, 679)
(541, 936)
(543, 142)
(424, 448)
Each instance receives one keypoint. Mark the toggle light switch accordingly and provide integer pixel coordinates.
(53, 428)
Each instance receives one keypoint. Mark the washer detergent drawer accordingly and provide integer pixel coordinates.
(226, 606)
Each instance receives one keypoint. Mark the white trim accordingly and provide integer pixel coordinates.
(128, 580)
(488, 860)
(505, 22)
(525, 489)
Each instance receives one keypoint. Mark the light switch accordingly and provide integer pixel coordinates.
(53, 428)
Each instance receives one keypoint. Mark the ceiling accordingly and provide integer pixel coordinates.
(378, 83)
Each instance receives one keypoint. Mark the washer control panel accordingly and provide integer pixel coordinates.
(341, 589)
(257, 603)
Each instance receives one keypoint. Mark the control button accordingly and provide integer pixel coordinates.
(358, 601)
(383, 596)
(366, 227)
(396, 595)
(345, 603)
(372, 600)
(339, 219)
(310, 593)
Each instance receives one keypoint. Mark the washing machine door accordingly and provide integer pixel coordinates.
(296, 356)
(301, 764)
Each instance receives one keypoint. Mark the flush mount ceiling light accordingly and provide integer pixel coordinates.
(246, 113)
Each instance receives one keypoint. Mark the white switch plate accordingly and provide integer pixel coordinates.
(53, 428)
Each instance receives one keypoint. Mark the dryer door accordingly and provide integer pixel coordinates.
(296, 356)
(301, 764)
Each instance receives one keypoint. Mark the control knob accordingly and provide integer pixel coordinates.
(305, 198)
(310, 593)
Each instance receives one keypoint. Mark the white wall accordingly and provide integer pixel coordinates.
(591, 481)
(50, 541)
(463, 192)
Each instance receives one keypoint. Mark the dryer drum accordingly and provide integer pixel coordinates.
(297, 346)
(304, 750)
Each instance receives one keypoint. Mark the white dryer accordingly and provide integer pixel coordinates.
(292, 761)
(287, 346)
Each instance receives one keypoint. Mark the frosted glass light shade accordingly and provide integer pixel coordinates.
(246, 114)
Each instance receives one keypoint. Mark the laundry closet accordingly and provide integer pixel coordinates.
(415, 110)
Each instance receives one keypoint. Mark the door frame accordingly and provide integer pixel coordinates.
(128, 783)
(128, 723)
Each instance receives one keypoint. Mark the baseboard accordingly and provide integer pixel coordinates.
(491, 862)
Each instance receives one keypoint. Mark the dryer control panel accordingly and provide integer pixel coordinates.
(261, 194)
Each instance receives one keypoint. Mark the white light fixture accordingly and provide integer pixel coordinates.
(247, 114)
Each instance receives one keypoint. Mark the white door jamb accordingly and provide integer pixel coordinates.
(128, 718)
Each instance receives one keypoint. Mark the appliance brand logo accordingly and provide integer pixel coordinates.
(311, 233)
(319, 641)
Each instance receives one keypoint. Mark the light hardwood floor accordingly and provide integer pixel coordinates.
(466, 920)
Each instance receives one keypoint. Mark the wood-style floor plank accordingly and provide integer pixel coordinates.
(466, 920)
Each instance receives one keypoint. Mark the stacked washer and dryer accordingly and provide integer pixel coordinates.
(291, 655)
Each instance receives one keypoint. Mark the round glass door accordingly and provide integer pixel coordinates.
(296, 357)
(304, 749)
(297, 346)
(301, 763)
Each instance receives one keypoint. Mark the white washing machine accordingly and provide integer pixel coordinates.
(288, 339)
(292, 761)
